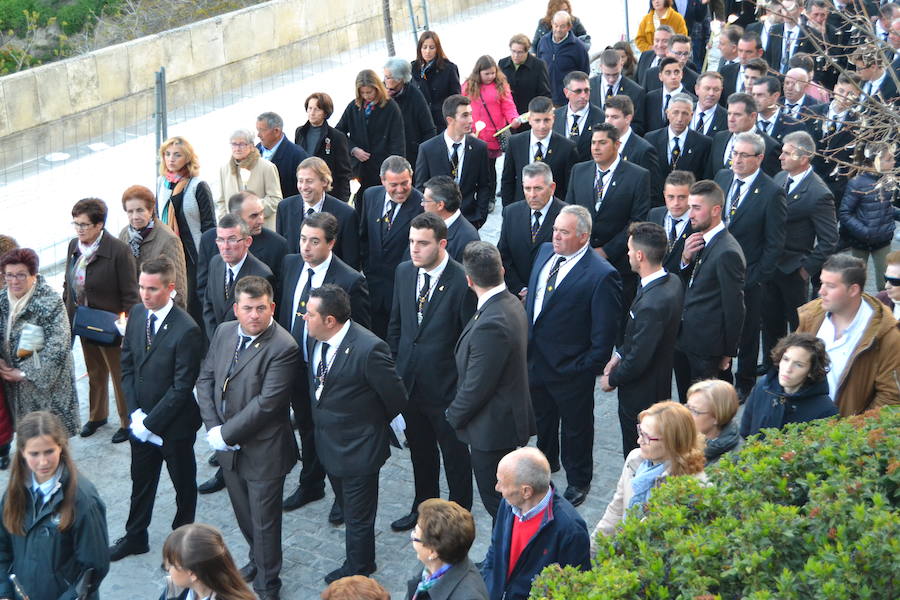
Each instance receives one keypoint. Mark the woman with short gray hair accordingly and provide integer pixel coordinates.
(418, 125)
(247, 170)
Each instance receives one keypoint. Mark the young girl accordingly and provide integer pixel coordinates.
(201, 567)
(53, 534)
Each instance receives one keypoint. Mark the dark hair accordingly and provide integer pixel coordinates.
(439, 57)
(852, 269)
(733, 33)
(230, 221)
(757, 64)
(849, 78)
(711, 192)
(445, 189)
(621, 103)
(199, 548)
(236, 201)
(482, 263)
(803, 61)
(752, 36)
(743, 98)
(630, 62)
(609, 58)
(772, 84)
(680, 178)
(428, 220)
(668, 61)
(161, 266)
(325, 221)
(139, 192)
(323, 101)
(333, 302)
(452, 103)
(396, 165)
(355, 587)
(679, 39)
(819, 363)
(520, 38)
(255, 287)
(651, 239)
(93, 208)
(579, 75)
(447, 528)
(540, 104)
(21, 256)
(611, 132)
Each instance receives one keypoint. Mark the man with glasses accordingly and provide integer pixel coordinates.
(679, 49)
(576, 119)
(742, 118)
(611, 83)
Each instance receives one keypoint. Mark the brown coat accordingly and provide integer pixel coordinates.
(163, 243)
(109, 282)
(872, 376)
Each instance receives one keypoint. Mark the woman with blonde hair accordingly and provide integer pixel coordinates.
(201, 567)
(713, 404)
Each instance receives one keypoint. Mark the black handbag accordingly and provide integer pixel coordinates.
(503, 138)
(96, 326)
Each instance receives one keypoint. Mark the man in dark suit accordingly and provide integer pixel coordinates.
(641, 368)
(713, 310)
(611, 83)
(833, 127)
(811, 236)
(161, 353)
(316, 258)
(650, 58)
(658, 99)
(573, 307)
(709, 116)
(432, 304)
(749, 48)
(313, 183)
(384, 234)
(787, 39)
(491, 411)
(243, 392)
(729, 37)
(878, 86)
(577, 118)
(742, 116)
(632, 147)
(674, 217)
(677, 146)
(539, 144)
(462, 156)
(755, 216)
(679, 49)
(796, 101)
(355, 394)
(277, 149)
(527, 224)
(772, 119)
(442, 197)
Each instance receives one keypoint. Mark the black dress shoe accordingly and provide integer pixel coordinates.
(345, 571)
(124, 547)
(248, 572)
(554, 467)
(576, 495)
(336, 514)
(406, 523)
(120, 436)
(213, 484)
(213, 460)
(301, 497)
(91, 427)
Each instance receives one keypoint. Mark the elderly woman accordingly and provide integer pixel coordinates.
(35, 344)
(247, 170)
(661, 13)
(100, 274)
(150, 238)
(441, 540)
(797, 392)
(713, 404)
(186, 207)
(670, 445)
(320, 139)
(436, 76)
(526, 73)
(374, 125)
(418, 124)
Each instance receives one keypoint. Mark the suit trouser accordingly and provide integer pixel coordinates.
(630, 406)
(484, 466)
(781, 297)
(380, 320)
(358, 498)
(257, 507)
(312, 473)
(629, 291)
(103, 362)
(572, 445)
(748, 347)
(690, 368)
(146, 464)
(427, 430)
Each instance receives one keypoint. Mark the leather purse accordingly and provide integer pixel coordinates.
(95, 325)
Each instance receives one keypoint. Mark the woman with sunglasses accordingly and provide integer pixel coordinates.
(713, 404)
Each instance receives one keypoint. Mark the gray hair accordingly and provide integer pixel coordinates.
(230, 221)
(584, 223)
(538, 168)
(399, 68)
(682, 97)
(242, 134)
(532, 469)
(562, 13)
(273, 121)
(802, 141)
(754, 139)
(666, 29)
(395, 164)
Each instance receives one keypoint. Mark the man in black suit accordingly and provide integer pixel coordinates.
(442, 197)
(641, 368)
(677, 146)
(878, 86)
(787, 39)
(355, 393)
(674, 217)
(314, 183)
(811, 236)
(742, 115)
(462, 156)
(611, 83)
(650, 58)
(432, 304)
(161, 353)
(713, 310)
(679, 49)
(243, 393)
(632, 147)
(709, 116)
(491, 411)
(577, 118)
(526, 225)
(573, 307)
(658, 100)
(795, 100)
(315, 266)
(539, 144)
(729, 37)
(749, 48)
(277, 149)
(755, 216)
(384, 234)
(833, 127)
(772, 120)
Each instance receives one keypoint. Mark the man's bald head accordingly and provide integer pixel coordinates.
(529, 467)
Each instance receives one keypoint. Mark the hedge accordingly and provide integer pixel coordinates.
(811, 512)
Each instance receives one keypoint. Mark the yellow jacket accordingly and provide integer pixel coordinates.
(644, 37)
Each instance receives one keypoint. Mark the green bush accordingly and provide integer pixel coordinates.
(811, 512)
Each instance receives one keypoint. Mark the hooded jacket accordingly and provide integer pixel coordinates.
(770, 406)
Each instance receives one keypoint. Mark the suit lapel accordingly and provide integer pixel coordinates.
(437, 297)
(161, 334)
(749, 201)
(571, 278)
(340, 359)
(251, 351)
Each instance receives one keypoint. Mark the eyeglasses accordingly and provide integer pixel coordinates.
(743, 155)
(413, 538)
(229, 241)
(239, 144)
(15, 276)
(644, 437)
(586, 90)
(82, 226)
(696, 412)
(682, 53)
(894, 281)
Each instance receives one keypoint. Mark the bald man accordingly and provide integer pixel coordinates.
(535, 527)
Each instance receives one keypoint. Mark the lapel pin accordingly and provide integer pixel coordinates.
(690, 151)
(441, 289)
(613, 184)
(475, 318)
(347, 351)
(166, 326)
(256, 345)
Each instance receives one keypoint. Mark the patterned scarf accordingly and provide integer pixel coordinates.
(136, 237)
(370, 106)
(85, 258)
(176, 182)
(423, 72)
(429, 579)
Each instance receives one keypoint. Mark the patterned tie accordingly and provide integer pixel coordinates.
(150, 331)
(676, 153)
(454, 161)
(609, 92)
(673, 233)
(551, 279)
(598, 188)
(322, 368)
(539, 153)
(422, 300)
(786, 51)
(574, 131)
(535, 226)
(238, 348)
(304, 294)
(699, 127)
(388, 218)
(229, 280)
(735, 198)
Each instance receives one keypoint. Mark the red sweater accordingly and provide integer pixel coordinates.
(522, 532)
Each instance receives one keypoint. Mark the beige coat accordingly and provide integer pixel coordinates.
(162, 242)
(263, 182)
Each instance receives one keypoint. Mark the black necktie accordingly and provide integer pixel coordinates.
(238, 348)
(735, 197)
(676, 152)
(535, 226)
(790, 108)
(309, 211)
(763, 126)
(422, 300)
(609, 92)
(297, 328)
(454, 161)
(539, 153)
(151, 331)
(229, 281)
(388, 218)
(673, 233)
(787, 184)
(551, 279)
(574, 131)
(665, 108)
(699, 128)
(322, 368)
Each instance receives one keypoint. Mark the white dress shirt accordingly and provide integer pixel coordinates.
(645, 281)
(434, 274)
(581, 115)
(532, 148)
(317, 207)
(683, 220)
(544, 275)
(161, 315)
(708, 116)
(795, 181)
(317, 281)
(234, 269)
(841, 344)
(334, 344)
(460, 152)
(681, 137)
(490, 294)
(748, 183)
(452, 218)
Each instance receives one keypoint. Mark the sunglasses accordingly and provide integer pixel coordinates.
(894, 281)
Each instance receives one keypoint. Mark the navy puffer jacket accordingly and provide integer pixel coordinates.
(866, 213)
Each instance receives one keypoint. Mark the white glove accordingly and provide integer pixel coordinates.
(137, 426)
(217, 442)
